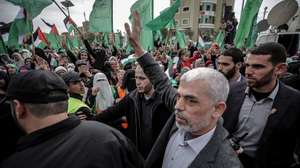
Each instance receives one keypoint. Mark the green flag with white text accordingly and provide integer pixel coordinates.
(245, 25)
(101, 17)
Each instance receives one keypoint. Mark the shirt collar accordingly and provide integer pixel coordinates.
(197, 144)
(240, 77)
(273, 93)
(152, 97)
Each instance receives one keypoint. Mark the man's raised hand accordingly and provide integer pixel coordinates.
(134, 35)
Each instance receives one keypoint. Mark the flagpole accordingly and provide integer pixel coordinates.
(67, 16)
(112, 16)
(32, 40)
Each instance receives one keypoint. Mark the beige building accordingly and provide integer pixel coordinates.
(202, 16)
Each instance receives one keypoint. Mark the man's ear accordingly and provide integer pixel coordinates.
(20, 109)
(239, 65)
(219, 109)
(280, 69)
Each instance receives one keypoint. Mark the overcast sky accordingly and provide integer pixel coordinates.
(121, 12)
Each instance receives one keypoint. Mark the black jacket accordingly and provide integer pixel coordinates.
(75, 143)
(281, 134)
(130, 106)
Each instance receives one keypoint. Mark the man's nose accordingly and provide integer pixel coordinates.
(179, 106)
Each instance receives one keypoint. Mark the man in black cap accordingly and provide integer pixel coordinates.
(76, 90)
(39, 103)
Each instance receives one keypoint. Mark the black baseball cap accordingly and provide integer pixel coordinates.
(71, 76)
(37, 87)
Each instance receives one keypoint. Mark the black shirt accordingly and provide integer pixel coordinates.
(146, 124)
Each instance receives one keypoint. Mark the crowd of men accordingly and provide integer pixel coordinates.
(168, 107)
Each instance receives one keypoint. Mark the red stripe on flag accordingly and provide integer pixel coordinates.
(54, 30)
(42, 37)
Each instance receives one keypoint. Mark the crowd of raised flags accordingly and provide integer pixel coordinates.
(22, 35)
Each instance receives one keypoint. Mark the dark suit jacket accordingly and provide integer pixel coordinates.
(217, 153)
(281, 133)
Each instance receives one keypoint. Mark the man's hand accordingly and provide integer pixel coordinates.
(134, 35)
(64, 42)
(95, 90)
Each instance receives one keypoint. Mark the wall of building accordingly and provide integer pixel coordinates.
(201, 16)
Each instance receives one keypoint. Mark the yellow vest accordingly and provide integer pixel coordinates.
(75, 104)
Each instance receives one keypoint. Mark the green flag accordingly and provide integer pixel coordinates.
(128, 48)
(171, 24)
(3, 49)
(101, 17)
(69, 42)
(252, 34)
(53, 40)
(32, 7)
(220, 38)
(105, 39)
(19, 29)
(180, 38)
(75, 40)
(118, 40)
(53, 37)
(164, 18)
(157, 35)
(249, 12)
(145, 9)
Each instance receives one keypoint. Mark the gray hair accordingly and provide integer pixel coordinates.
(44, 110)
(218, 86)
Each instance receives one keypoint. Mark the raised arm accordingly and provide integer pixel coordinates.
(151, 68)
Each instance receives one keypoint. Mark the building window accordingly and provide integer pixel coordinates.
(185, 9)
(206, 20)
(201, 7)
(200, 20)
(211, 19)
(214, 7)
(185, 21)
(176, 22)
(207, 7)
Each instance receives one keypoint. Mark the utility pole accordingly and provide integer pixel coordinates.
(265, 12)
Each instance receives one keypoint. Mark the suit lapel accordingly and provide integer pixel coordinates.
(158, 150)
(279, 108)
(208, 154)
(234, 103)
